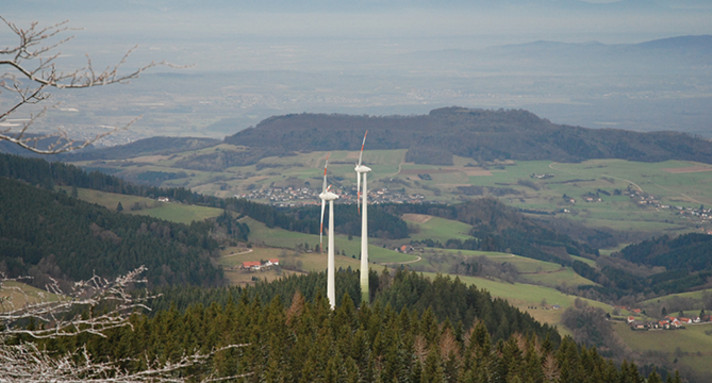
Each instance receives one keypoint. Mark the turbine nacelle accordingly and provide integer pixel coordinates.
(328, 196)
(362, 169)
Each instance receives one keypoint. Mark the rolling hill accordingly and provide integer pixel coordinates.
(482, 135)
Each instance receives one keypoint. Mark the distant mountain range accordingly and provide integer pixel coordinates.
(674, 55)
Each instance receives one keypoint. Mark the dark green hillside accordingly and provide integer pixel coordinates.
(654, 267)
(402, 337)
(689, 252)
(48, 234)
(482, 135)
(497, 227)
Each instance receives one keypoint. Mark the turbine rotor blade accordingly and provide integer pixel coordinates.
(360, 156)
(358, 175)
(326, 164)
(321, 226)
(323, 207)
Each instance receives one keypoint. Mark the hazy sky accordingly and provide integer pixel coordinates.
(213, 31)
(375, 57)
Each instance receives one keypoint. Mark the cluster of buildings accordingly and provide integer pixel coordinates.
(282, 196)
(260, 265)
(290, 196)
(704, 215)
(667, 323)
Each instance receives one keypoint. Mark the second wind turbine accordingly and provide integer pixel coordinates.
(327, 195)
(362, 171)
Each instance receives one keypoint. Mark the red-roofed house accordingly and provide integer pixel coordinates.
(252, 265)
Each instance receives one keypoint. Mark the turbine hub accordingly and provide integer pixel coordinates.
(328, 196)
(362, 169)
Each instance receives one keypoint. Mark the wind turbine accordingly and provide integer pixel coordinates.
(327, 195)
(362, 171)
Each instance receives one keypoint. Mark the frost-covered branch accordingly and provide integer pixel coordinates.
(109, 300)
(32, 70)
(93, 307)
(27, 363)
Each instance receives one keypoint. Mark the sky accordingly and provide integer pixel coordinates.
(370, 57)
(215, 27)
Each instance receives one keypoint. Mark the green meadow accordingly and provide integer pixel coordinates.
(181, 213)
(689, 349)
(280, 238)
(436, 228)
(15, 295)
(169, 211)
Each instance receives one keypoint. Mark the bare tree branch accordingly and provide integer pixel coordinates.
(26, 362)
(32, 70)
(113, 295)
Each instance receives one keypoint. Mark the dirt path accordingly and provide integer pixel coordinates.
(418, 258)
(238, 253)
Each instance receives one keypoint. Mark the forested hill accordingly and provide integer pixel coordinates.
(49, 234)
(472, 133)
(690, 252)
(416, 330)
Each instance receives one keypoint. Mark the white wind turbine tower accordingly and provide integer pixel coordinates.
(362, 171)
(327, 195)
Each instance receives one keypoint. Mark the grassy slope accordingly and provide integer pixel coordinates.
(276, 237)
(436, 228)
(690, 348)
(169, 211)
(16, 295)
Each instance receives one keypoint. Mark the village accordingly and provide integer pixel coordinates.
(291, 196)
(667, 323)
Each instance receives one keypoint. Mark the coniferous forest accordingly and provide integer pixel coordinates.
(416, 330)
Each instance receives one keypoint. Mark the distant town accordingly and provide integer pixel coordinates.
(292, 196)
(296, 196)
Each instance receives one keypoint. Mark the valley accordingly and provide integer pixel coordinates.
(628, 196)
(539, 202)
(562, 241)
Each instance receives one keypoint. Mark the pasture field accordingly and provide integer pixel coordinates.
(232, 258)
(564, 277)
(169, 211)
(688, 349)
(16, 295)
(436, 228)
(111, 200)
(177, 212)
(280, 238)
(545, 304)
(532, 271)
(301, 261)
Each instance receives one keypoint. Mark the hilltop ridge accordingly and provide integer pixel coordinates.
(479, 134)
